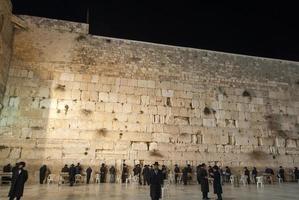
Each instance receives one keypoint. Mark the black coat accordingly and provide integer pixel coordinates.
(156, 182)
(217, 182)
(72, 173)
(42, 172)
(17, 183)
(204, 183)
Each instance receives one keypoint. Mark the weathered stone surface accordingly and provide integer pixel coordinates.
(74, 97)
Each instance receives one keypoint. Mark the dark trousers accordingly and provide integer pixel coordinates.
(176, 176)
(87, 178)
(219, 196)
(12, 198)
(204, 195)
(41, 179)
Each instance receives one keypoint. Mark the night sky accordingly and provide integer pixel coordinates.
(243, 28)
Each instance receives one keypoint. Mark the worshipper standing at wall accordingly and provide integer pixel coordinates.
(247, 173)
(42, 173)
(176, 173)
(189, 169)
(78, 169)
(7, 168)
(72, 173)
(281, 173)
(146, 175)
(228, 173)
(185, 175)
(137, 172)
(217, 182)
(198, 168)
(65, 169)
(156, 182)
(103, 172)
(88, 174)
(222, 175)
(19, 177)
(112, 172)
(164, 172)
(296, 173)
(204, 181)
(125, 173)
(254, 174)
(270, 176)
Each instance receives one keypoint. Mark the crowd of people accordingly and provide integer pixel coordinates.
(150, 175)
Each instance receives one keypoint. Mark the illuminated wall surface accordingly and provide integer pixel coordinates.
(73, 97)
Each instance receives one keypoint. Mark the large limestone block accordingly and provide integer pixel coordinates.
(291, 143)
(139, 146)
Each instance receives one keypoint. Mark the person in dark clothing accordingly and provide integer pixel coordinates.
(42, 174)
(146, 174)
(112, 172)
(88, 174)
(204, 181)
(78, 169)
(7, 168)
(137, 172)
(270, 172)
(281, 173)
(198, 168)
(164, 172)
(72, 173)
(176, 173)
(125, 173)
(217, 182)
(254, 173)
(296, 173)
(185, 175)
(65, 169)
(103, 172)
(189, 174)
(19, 177)
(156, 182)
(227, 173)
(247, 173)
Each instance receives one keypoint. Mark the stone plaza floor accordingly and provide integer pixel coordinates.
(108, 191)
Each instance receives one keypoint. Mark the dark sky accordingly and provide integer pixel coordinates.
(245, 28)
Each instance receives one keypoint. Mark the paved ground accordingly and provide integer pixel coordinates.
(122, 192)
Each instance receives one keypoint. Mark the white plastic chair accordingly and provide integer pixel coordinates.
(280, 180)
(50, 178)
(260, 181)
(97, 178)
(232, 179)
(129, 179)
(243, 179)
(78, 178)
(164, 191)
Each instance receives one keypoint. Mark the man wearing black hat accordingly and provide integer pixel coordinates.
(217, 182)
(203, 175)
(20, 176)
(156, 182)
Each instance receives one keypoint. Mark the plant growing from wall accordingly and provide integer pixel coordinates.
(206, 111)
(86, 111)
(60, 87)
(36, 128)
(156, 153)
(102, 131)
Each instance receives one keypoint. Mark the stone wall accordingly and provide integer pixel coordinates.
(6, 35)
(73, 97)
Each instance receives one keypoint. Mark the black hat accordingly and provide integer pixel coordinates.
(156, 163)
(22, 163)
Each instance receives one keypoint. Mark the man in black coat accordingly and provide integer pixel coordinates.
(19, 177)
(42, 174)
(217, 182)
(281, 173)
(203, 174)
(156, 182)
(125, 173)
(146, 175)
(176, 173)
(88, 174)
(103, 172)
(72, 173)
